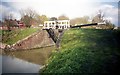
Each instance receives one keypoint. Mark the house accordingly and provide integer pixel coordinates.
(57, 24)
(14, 24)
(20, 24)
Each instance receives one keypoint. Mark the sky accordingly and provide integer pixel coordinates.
(70, 8)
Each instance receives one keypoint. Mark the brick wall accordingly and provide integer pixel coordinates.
(38, 39)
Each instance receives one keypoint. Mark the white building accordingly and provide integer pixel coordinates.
(60, 24)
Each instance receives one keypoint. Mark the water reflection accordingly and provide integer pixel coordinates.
(37, 56)
(14, 65)
(27, 61)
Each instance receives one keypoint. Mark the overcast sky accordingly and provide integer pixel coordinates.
(70, 8)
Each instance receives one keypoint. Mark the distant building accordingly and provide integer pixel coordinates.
(20, 24)
(15, 24)
(58, 24)
(41, 25)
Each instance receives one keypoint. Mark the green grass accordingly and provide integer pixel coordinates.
(86, 51)
(16, 35)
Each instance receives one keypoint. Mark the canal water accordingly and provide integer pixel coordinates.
(27, 61)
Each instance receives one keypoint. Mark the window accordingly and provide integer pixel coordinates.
(62, 22)
(53, 23)
(49, 23)
(59, 23)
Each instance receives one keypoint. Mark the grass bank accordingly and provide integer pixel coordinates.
(86, 51)
(10, 37)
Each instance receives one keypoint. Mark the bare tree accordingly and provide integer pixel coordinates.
(22, 13)
(79, 20)
(27, 20)
(28, 16)
(98, 17)
(53, 19)
(43, 18)
(7, 18)
(63, 17)
(30, 12)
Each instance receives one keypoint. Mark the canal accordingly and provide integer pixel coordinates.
(25, 61)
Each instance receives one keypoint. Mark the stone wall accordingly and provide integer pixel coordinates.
(38, 39)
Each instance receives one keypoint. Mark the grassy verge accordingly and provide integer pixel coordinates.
(10, 37)
(86, 51)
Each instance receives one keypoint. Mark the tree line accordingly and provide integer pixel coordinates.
(31, 17)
